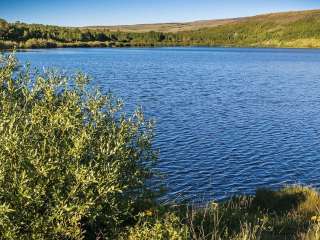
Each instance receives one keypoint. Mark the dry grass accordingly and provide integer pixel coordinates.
(278, 18)
(292, 213)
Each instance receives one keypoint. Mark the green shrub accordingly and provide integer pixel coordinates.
(168, 227)
(8, 44)
(39, 43)
(313, 233)
(72, 166)
(97, 44)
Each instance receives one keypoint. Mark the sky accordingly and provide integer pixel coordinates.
(116, 12)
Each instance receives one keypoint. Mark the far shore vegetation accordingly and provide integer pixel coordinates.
(74, 166)
(288, 30)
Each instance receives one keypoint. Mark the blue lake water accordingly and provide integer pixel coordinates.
(228, 120)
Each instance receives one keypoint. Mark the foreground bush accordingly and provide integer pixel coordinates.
(168, 227)
(71, 166)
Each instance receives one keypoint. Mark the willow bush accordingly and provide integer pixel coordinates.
(72, 165)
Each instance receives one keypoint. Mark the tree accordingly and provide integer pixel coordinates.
(71, 164)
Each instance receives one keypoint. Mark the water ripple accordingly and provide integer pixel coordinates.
(228, 120)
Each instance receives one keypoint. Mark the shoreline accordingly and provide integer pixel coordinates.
(161, 47)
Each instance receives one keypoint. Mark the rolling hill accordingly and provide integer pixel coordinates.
(280, 18)
(299, 29)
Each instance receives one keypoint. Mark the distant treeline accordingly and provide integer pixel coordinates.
(24, 35)
(254, 32)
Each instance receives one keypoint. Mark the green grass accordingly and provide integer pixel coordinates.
(289, 213)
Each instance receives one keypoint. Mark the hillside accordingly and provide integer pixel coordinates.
(167, 27)
(290, 29)
(280, 18)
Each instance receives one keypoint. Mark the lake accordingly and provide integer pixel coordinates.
(228, 120)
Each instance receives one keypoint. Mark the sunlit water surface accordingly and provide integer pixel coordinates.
(228, 120)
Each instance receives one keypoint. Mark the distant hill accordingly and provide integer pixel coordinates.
(167, 27)
(279, 18)
(299, 29)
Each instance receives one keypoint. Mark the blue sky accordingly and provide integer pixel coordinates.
(113, 12)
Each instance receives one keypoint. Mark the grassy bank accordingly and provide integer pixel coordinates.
(290, 213)
(43, 44)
